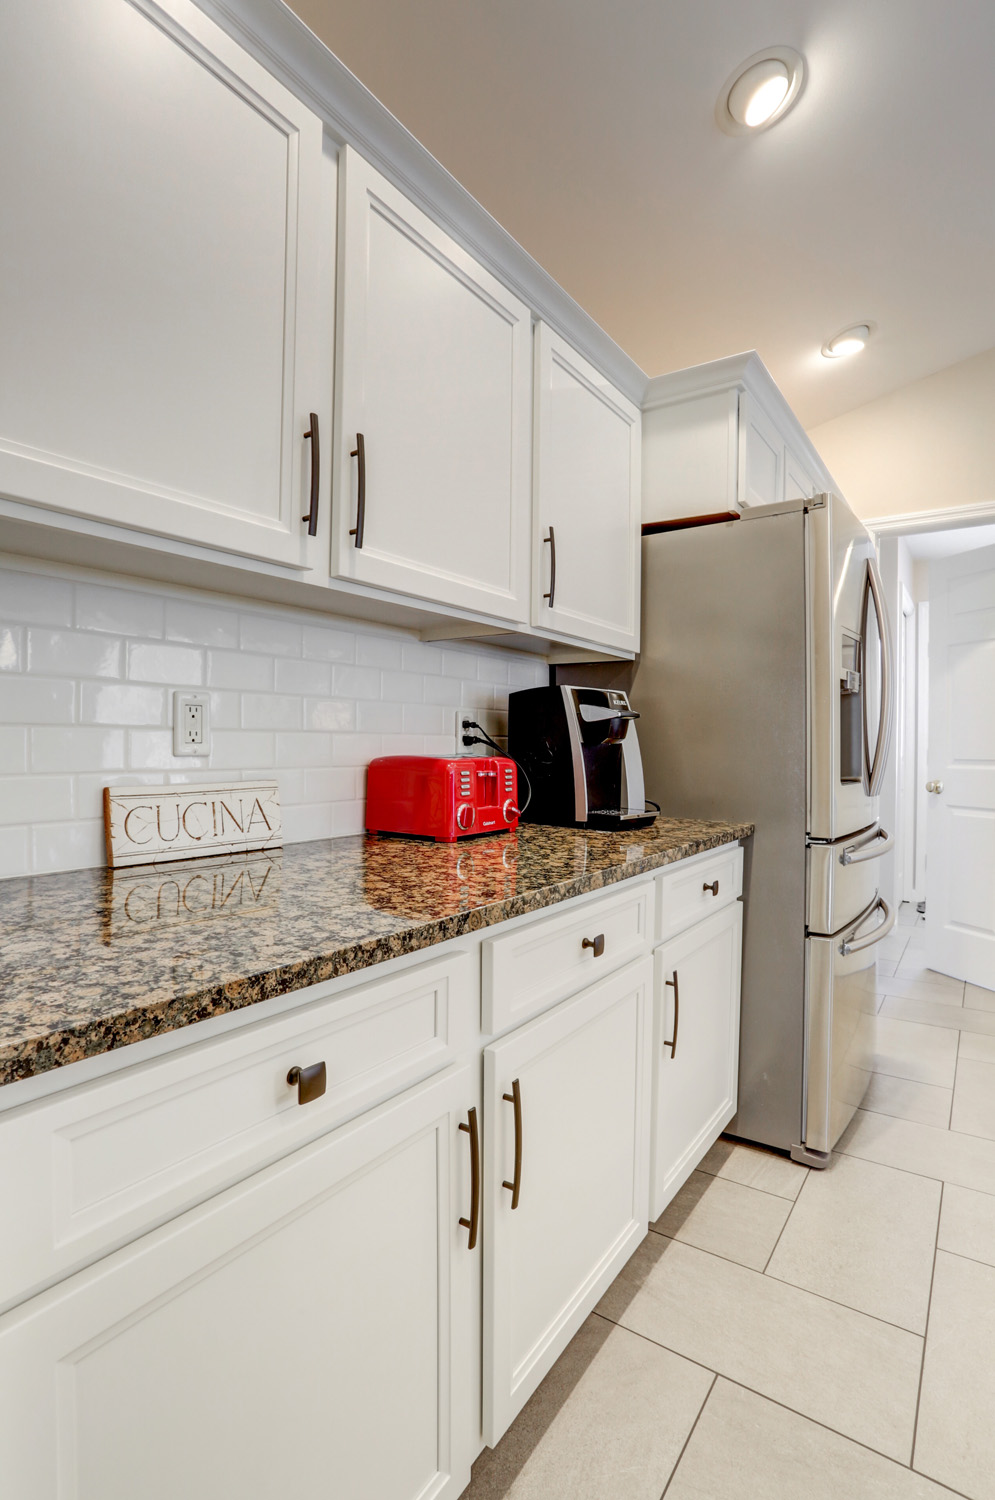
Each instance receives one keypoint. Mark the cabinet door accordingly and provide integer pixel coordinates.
(695, 1047)
(761, 456)
(587, 499)
(434, 377)
(798, 482)
(165, 277)
(305, 1333)
(581, 1077)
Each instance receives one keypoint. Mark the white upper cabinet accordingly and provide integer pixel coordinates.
(799, 483)
(761, 455)
(587, 500)
(166, 265)
(433, 436)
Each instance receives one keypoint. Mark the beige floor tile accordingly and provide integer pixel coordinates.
(915, 982)
(978, 998)
(908, 1100)
(854, 1373)
(935, 1013)
(907, 1049)
(722, 1216)
(863, 1235)
(977, 1048)
(886, 967)
(955, 1438)
(974, 1098)
(967, 1224)
(610, 1419)
(967, 1160)
(747, 1448)
(893, 947)
(753, 1167)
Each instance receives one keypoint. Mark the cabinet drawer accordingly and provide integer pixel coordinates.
(530, 968)
(685, 894)
(98, 1165)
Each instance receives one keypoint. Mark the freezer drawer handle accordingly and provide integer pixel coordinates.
(714, 887)
(672, 1044)
(515, 1186)
(871, 846)
(881, 931)
(473, 1222)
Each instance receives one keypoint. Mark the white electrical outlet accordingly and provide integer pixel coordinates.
(191, 723)
(493, 721)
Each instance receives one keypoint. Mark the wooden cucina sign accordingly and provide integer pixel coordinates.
(150, 824)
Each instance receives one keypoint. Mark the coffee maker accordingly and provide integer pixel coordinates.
(579, 749)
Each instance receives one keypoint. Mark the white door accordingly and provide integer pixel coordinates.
(960, 857)
(303, 1333)
(798, 482)
(566, 1104)
(695, 1047)
(761, 455)
(166, 276)
(587, 500)
(433, 438)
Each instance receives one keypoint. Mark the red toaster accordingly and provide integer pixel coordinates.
(440, 798)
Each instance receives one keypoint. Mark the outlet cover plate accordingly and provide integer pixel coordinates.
(191, 723)
(493, 721)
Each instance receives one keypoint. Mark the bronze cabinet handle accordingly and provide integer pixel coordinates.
(359, 453)
(515, 1187)
(312, 516)
(551, 539)
(309, 1082)
(672, 1044)
(597, 943)
(714, 887)
(473, 1222)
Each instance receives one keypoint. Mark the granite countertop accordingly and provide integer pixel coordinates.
(94, 959)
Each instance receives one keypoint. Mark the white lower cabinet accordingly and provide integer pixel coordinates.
(695, 1047)
(566, 1101)
(307, 1332)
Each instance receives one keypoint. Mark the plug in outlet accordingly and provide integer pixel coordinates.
(493, 721)
(191, 723)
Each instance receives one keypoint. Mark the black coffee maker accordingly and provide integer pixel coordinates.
(579, 749)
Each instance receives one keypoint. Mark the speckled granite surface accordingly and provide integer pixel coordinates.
(95, 959)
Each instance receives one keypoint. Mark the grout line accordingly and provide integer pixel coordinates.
(929, 1307)
(781, 1197)
(786, 1222)
(689, 1437)
(942, 1249)
(793, 1286)
(950, 1116)
(903, 1079)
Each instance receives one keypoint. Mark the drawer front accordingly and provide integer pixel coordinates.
(95, 1167)
(685, 894)
(532, 967)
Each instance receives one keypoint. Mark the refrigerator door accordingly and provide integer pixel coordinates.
(844, 878)
(840, 1003)
(850, 673)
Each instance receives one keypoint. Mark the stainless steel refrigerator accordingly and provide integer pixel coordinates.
(765, 689)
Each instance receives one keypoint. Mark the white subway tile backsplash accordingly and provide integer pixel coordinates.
(88, 704)
(36, 700)
(122, 703)
(122, 611)
(182, 666)
(72, 653)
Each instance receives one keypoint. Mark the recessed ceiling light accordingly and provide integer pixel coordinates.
(760, 91)
(850, 341)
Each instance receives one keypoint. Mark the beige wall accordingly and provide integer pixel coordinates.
(927, 446)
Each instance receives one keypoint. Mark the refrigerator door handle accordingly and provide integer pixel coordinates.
(857, 945)
(871, 846)
(875, 594)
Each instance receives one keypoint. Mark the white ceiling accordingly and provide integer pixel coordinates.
(587, 128)
(926, 545)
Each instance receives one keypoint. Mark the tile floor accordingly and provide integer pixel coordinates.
(784, 1334)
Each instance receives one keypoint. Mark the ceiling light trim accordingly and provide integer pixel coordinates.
(797, 75)
(861, 332)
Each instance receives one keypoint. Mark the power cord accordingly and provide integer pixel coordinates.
(483, 738)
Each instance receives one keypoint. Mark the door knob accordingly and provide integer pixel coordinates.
(934, 786)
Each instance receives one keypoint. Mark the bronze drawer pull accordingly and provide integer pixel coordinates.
(473, 1222)
(597, 943)
(677, 1014)
(312, 516)
(515, 1098)
(359, 452)
(714, 887)
(551, 539)
(309, 1082)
